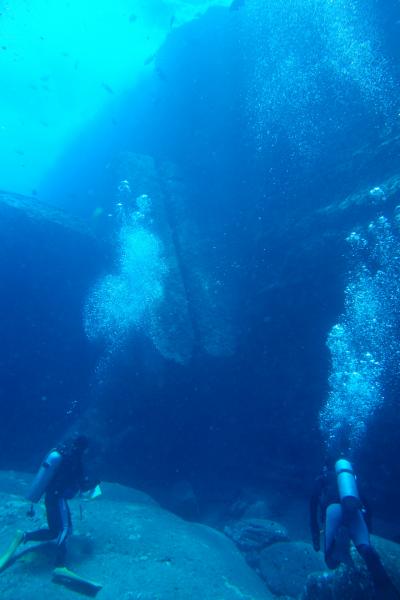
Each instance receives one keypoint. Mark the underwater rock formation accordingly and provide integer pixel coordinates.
(46, 259)
(253, 535)
(285, 567)
(17, 208)
(354, 582)
(135, 549)
(159, 249)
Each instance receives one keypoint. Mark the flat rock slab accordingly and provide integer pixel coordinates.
(135, 549)
(29, 207)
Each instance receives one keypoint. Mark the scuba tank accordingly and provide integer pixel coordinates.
(43, 477)
(347, 485)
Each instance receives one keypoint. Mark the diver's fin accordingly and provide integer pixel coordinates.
(76, 582)
(9, 553)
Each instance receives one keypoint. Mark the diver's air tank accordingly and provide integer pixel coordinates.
(43, 477)
(347, 484)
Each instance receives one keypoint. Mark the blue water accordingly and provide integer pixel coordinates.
(204, 336)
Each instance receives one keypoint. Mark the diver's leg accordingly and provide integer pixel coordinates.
(45, 535)
(64, 533)
(53, 520)
(39, 535)
(357, 527)
(333, 521)
(384, 587)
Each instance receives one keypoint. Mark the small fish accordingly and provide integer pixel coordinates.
(4, 47)
(98, 211)
(171, 21)
(161, 74)
(149, 59)
(107, 87)
(132, 18)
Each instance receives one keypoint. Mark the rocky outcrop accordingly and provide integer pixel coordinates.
(253, 535)
(294, 570)
(135, 549)
(354, 581)
(285, 567)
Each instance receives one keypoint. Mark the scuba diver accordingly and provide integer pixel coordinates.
(337, 505)
(60, 477)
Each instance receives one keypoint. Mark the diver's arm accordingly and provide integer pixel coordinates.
(366, 506)
(366, 511)
(88, 483)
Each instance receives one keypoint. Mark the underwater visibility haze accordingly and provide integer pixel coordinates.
(200, 258)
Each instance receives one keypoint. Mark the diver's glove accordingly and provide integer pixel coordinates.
(92, 493)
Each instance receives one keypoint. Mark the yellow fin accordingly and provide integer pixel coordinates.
(9, 553)
(69, 578)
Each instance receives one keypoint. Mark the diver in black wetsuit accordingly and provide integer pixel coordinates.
(66, 481)
(336, 505)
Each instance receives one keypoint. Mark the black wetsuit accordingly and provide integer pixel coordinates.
(67, 481)
(326, 510)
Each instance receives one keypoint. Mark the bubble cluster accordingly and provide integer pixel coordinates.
(309, 60)
(158, 288)
(122, 302)
(364, 345)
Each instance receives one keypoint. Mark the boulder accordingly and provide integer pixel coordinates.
(390, 556)
(134, 548)
(344, 582)
(182, 501)
(252, 535)
(354, 582)
(285, 567)
(257, 510)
